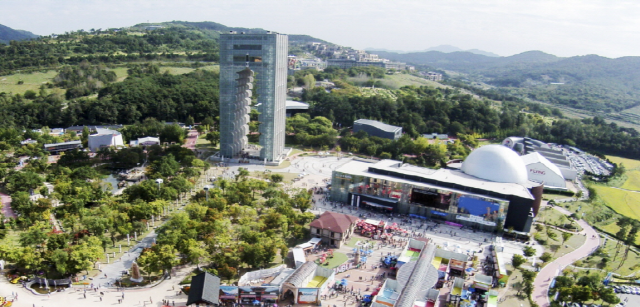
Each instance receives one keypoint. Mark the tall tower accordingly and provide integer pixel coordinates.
(265, 56)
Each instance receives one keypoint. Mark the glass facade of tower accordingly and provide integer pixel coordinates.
(266, 56)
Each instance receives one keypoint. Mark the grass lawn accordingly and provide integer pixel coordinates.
(631, 264)
(550, 216)
(295, 151)
(557, 248)
(623, 202)
(553, 196)
(121, 72)
(176, 70)
(633, 180)
(282, 165)
(628, 163)
(352, 242)
(338, 259)
(509, 293)
(399, 80)
(32, 81)
(11, 239)
(288, 177)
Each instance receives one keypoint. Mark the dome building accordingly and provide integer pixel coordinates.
(496, 163)
(491, 191)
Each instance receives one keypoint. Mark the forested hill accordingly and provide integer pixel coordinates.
(589, 82)
(172, 41)
(214, 29)
(7, 34)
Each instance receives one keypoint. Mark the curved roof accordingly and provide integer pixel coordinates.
(298, 277)
(496, 163)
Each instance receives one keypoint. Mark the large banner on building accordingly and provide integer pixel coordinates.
(229, 292)
(307, 295)
(457, 265)
(489, 211)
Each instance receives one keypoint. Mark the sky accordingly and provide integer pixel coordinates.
(564, 28)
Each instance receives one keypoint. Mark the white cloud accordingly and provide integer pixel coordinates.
(565, 28)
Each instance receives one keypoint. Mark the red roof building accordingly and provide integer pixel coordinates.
(333, 228)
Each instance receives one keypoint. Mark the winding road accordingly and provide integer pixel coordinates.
(543, 279)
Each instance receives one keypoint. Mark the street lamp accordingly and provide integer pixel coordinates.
(159, 182)
(206, 189)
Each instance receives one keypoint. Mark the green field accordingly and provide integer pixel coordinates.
(32, 81)
(633, 180)
(121, 72)
(628, 163)
(400, 80)
(623, 202)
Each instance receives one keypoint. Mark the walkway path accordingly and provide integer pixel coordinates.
(115, 269)
(543, 280)
(6, 206)
(75, 296)
(192, 139)
(634, 191)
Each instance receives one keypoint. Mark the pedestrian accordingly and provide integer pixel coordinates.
(85, 295)
(101, 298)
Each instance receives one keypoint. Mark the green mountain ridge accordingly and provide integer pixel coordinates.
(591, 82)
(8, 34)
(215, 29)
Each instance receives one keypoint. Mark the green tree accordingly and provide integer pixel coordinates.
(84, 255)
(195, 252)
(517, 261)
(85, 136)
(529, 251)
(36, 235)
(60, 259)
(565, 236)
(213, 137)
(609, 296)
(546, 257)
(189, 121)
(23, 181)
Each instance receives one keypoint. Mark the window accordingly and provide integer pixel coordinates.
(247, 58)
(247, 47)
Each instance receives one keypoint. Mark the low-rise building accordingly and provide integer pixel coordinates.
(376, 128)
(145, 141)
(333, 228)
(433, 76)
(295, 107)
(436, 136)
(60, 147)
(105, 138)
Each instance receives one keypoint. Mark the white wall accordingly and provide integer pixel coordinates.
(538, 172)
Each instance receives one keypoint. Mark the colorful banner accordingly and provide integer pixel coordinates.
(307, 295)
(228, 292)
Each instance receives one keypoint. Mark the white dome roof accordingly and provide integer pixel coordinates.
(496, 163)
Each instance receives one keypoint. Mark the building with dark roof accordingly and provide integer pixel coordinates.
(205, 289)
(57, 148)
(376, 128)
(491, 191)
(333, 228)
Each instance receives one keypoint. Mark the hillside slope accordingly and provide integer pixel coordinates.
(7, 34)
(590, 82)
